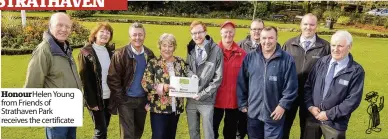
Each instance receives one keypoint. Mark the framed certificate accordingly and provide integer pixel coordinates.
(183, 86)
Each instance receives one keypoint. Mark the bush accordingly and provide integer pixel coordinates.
(318, 12)
(344, 20)
(386, 25)
(331, 15)
(86, 13)
(378, 21)
(15, 37)
(109, 11)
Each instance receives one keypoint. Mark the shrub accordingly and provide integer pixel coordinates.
(109, 11)
(344, 20)
(331, 15)
(378, 21)
(18, 38)
(386, 25)
(318, 12)
(84, 13)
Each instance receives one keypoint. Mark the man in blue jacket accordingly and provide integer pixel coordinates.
(333, 90)
(266, 87)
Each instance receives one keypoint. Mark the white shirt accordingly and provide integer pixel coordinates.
(312, 41)
(103, 58)
(136, 52)
(202, 46)
(254, 44)
(340, 65)
(171, 72)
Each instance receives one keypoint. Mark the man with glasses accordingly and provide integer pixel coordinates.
(306, 49)
(226, 99)
(126, 70)
(253, 39)
(249, 44)
(205, 60)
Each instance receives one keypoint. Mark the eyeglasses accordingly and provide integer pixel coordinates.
(257, 29)
(197, 33)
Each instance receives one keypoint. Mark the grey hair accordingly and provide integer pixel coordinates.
(258, 20)
(136, 25)
(343, 34)
(54, 16)
(167, 37)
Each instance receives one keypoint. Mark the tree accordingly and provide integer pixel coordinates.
(254, 3)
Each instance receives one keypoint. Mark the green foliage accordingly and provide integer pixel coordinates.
(81, 13)
(379, 21)
(331, 14)
(14, 36)
(318, 12)
(344, 20)
(386, 25)
(109, 12)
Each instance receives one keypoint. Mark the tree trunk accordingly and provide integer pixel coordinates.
(254, 9)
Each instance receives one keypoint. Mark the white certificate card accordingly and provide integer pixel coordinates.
(183, 86)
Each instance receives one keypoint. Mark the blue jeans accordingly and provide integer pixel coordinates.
(164, 125)
(258, 129)
(61, 132)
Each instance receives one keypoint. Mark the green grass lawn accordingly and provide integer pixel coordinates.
(369, 52)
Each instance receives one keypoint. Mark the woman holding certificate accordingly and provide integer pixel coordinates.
(164, 110)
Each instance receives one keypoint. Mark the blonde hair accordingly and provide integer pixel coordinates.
(167, 37)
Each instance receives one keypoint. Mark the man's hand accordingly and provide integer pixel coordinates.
(244, 110)
(277, 114)
(322, 116)
(94, 108)
(314, 110)
(196, 97)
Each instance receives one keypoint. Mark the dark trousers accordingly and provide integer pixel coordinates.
(61, 132)
(241, 125)
(315, 130)
(290, 116)
(164, 125)
(230, 122)
(132, 116)
(258, 129)
(101, 119)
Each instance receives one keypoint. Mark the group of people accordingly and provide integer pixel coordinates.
(255, 85)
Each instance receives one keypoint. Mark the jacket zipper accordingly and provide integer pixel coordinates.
(265, 76)
(304, 59)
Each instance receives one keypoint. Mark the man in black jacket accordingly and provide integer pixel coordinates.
(306, 49)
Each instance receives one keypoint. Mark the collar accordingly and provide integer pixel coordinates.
(312, 40)
(202, 46)
(137, 53)
(234, 47)
(99, 47)
(342, 62)
(276, 54)
(54, 44)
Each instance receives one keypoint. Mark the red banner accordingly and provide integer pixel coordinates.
(63, 5)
